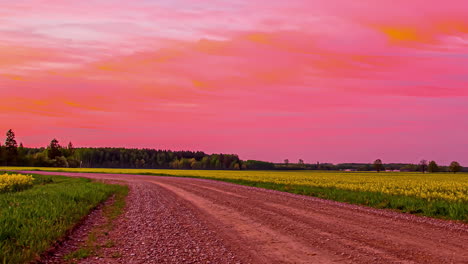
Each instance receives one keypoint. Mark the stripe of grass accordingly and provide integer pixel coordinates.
(32, 220)
(110, 212)
(406, 204)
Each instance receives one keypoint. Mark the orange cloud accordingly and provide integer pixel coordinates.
(14, 77)
(261, 38)
(402, 34)
(429, 32)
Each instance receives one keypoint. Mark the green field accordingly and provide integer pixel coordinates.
(33, 219)
(440, 195)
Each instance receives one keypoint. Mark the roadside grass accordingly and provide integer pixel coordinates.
(438, 195)
(407, 204)
(31, 221)
(98, 236)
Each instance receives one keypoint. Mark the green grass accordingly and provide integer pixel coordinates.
(97, 237)
(438, 208)
(31, 221)
(81, 253)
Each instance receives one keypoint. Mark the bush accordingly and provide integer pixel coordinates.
(15, 182)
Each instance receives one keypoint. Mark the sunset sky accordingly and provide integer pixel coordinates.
(329, 81)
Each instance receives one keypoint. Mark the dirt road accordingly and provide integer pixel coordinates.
(183, 220)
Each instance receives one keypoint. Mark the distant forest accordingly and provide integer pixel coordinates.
(56, 155)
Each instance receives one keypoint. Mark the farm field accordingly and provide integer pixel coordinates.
(440, 195)
(32, 220)
(189, 220)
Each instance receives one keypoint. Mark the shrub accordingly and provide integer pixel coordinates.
(15, 182)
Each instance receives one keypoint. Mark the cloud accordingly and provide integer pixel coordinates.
(258, 70)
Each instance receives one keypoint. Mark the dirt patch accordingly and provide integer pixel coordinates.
(77, 237)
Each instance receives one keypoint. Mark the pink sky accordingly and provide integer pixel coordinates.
(330, 81)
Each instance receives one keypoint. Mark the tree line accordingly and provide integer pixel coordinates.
(377, 165)
(56, 155)
(423, 166)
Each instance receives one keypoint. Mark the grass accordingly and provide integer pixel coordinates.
(97, 238)
(31, 221)
(81, 253)
(407, 204)
(440, 195)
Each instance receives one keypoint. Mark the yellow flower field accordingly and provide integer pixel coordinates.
(450, 187)
(15, 182)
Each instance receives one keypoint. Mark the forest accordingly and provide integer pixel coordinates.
(56, 155)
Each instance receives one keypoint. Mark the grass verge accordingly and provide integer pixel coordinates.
(98, 236)
(31, 221)
(406, 204)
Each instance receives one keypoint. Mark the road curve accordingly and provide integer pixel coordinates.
(185, 220)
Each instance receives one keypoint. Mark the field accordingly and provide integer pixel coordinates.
(33, 219)
(181, 219)
(439, 195)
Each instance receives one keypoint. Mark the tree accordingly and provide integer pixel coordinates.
(286, 162)
(409, 167)
(54, 149)
(73, 163)
(423, 165)
(11, 148)
(257, 165)
(61, 162)
(433, 167)
(455, 167)
(69, 151)
(175, 164)
(233, 164)
(218, 164)
(301, 162)
(378, 165)
(2, 155)
(21, 155)
(142, 163)
(205, 162)
(196, 165)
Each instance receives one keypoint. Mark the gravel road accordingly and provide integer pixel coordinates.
(184, 220)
